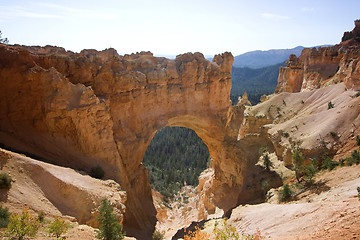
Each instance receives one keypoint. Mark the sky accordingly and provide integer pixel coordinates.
(171, 27)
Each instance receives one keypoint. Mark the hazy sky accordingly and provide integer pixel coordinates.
(173, 27)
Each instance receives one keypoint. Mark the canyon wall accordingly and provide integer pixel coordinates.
(95, 108)
(325, 66)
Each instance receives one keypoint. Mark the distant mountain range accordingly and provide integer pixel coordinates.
(259, 59)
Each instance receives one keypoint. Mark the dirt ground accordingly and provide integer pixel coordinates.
(329, 210)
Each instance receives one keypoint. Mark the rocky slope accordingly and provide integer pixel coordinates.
(324, 83)
(328, 210)
(57, 191)
(316, 109)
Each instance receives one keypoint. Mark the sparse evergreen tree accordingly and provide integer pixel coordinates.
(298, 162)
(285, 193)
(110, 228)
(310, 172)
(267, 162)
(3, 40)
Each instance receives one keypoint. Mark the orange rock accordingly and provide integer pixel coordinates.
(321, 67)
(99, 108)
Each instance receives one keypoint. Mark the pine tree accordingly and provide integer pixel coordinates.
(298, 162)
(267, 162)
(109, 228)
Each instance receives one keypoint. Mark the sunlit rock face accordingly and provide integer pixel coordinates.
(316, 68)
(95, 108)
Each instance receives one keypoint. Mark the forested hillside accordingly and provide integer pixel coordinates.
(256, 82)
(176, 156)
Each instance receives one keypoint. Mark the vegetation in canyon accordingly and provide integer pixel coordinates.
(110, 228)
(176, 156)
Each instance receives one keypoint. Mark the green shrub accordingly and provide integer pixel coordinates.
(333, 134)
(330, 105)
(358, 189)
(349, 161)
(109, 228)
(5, 181)
(310, 172)
(285, 194)
(58, 227)
(4, 217)
(228, 232)
(342, 162)
(21, 225)
(328, 164)
(157, 235)
(97, 172)
(353, 159)
(356, 95)
(41, 216)
(286, 134)
(356, 156)
(358, 140)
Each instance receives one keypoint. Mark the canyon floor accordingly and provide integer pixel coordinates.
(329, 209)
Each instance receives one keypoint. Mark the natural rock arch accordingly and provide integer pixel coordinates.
(99, 108)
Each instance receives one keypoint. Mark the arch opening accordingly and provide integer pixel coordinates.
(175, 158)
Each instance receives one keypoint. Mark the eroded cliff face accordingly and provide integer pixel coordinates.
(101, 109)
(300, 116)
(325, 66)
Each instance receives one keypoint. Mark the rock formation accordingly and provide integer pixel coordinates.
(55, 190)
(316, 68)
(92, 108)
(354, 35)
(315, 78)
(95, 108)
